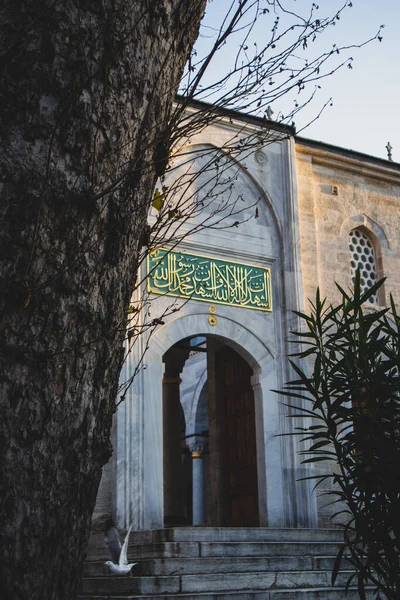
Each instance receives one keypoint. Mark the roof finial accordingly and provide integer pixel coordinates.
(389, 151)
(269, 112)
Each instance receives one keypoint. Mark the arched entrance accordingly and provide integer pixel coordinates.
(138, 434)
(221, 488)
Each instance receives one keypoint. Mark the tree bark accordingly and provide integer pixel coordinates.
(86, 88)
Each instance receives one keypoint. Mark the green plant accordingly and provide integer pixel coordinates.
(354, 393)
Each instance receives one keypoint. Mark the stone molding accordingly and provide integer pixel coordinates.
(359, 166)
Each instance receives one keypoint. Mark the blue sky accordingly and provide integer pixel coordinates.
(365, 111)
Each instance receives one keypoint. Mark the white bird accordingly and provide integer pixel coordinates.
(119, 563)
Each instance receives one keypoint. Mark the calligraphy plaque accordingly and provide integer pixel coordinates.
(208, 279)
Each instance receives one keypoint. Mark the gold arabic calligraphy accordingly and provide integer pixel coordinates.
(211, 280)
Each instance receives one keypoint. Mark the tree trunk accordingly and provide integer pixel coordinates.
(85, 94)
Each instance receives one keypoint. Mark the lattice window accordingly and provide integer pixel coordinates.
(363, 257)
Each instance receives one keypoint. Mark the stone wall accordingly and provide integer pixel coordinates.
(337, 192)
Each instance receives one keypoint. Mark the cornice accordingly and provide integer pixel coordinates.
(352, 162)
(236, 120)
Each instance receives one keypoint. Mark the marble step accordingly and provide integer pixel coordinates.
(325, 593)
(225, 549)
(187, 566)
(213, 582)
(243, 534)
(222, 549)
(221, 564)
(223, 534)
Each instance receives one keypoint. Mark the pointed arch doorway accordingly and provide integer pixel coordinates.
(224, 479)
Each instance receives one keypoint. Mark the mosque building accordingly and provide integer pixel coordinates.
(198, 439)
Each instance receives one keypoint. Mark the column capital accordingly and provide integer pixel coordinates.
(174, 360)
(197, 444)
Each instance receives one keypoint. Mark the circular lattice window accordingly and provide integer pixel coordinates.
(363, 258)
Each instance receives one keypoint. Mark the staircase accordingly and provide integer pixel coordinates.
(221, 564)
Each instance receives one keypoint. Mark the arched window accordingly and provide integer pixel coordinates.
(363, 257)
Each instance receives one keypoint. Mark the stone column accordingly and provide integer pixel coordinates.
(174, 361)
(197, 446)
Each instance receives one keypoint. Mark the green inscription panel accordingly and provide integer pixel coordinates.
(208, 279)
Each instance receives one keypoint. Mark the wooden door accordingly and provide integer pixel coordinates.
(239, 439)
